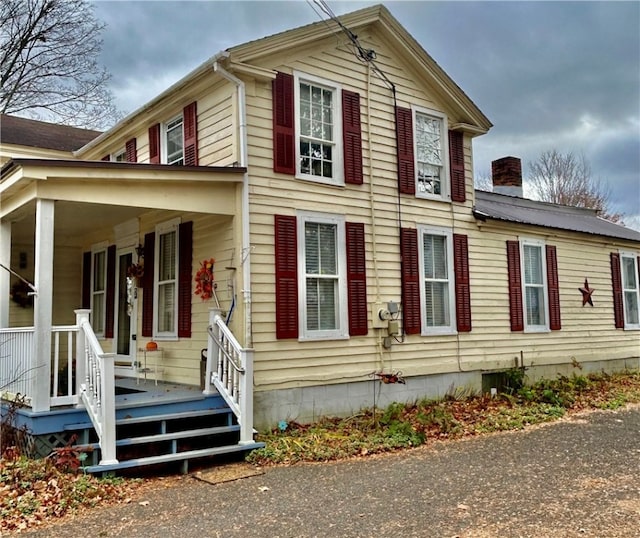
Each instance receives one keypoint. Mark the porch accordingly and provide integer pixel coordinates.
(127, 422)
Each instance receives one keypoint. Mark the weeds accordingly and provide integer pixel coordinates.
(408, 425)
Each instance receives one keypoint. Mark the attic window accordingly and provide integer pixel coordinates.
(120, 156)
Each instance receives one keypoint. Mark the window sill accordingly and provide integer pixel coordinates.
(323, 338)
(322, 181)
(534, 330)
(439, 332)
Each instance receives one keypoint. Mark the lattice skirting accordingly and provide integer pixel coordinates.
(40, 446)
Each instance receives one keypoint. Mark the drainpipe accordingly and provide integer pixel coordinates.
(245, 256)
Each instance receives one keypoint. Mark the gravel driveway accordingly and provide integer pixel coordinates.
(577, 477)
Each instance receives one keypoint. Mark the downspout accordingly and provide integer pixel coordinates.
(245, 256)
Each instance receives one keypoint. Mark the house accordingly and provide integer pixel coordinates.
(325, 182)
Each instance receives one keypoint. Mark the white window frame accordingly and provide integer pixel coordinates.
(538, 243)
(342, 330)
(445, 181)
(338, 150)
(99, 248)
(625, 290)
(164, 140)
(447, 233)
(119, 156)
(162, 229)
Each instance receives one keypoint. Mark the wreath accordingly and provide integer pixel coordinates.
(205, 283)
(20, 294)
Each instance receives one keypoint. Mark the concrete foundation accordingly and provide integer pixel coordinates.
(308, 404)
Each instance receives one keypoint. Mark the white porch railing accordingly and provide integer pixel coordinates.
(230, 369)
(18, 365)
(97, 391)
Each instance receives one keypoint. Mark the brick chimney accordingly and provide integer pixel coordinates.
(506, 174)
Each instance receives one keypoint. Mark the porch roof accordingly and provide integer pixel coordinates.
(172, 187)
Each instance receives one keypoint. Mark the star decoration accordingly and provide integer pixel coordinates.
(586, 293)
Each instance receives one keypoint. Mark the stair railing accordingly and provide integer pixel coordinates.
(230, 370)
(96, 378)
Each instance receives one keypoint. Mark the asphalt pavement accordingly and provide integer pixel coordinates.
(573, 478)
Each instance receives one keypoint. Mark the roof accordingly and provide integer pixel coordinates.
(41, 134)
(490, 205)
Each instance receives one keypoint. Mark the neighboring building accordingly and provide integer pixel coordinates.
(332, 183)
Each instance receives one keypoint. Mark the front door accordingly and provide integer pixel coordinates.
(125, 314)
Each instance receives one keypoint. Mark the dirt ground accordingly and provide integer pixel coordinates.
(578, 477)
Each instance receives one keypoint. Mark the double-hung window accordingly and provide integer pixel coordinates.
(534, 285)
(166, 279)
(319, 130)
(174, 141)
(437, 280)
(431, 153)
(630, 290)
(98, 289)
(322, 265)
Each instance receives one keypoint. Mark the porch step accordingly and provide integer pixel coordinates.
(153, 418)
(167, 458)
(165, 437)
(165, 433)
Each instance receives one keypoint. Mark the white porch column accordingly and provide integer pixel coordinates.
(43, 306)
(5, 259)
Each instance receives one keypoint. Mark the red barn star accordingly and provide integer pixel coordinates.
(586, 293)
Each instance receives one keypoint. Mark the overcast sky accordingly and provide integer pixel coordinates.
(562, 75)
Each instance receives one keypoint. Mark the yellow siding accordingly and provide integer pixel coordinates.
(290, 363)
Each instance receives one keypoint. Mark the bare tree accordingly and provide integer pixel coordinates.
(482, 181)
(48, 63)
(564, 178)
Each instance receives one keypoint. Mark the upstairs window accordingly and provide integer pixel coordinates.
(174, 141)
(120, 156)
(431, 147)
(319, 133)
(431, 159)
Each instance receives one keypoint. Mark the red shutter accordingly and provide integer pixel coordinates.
(106, 158)
(553, 288)
(185, 254)
(515, 286)
(283, 125)
(132, 151)
(154, 144)
(463, 288)
(190, 126)
(110, 292)
(410, 281)
(616, 281)
(356, 278)
(352, 137)
(456, 166)
(404, 138)
(147, 286)
(286, 269)
(86, 280)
